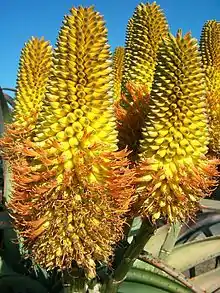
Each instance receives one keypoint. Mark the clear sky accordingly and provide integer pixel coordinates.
(21, 19)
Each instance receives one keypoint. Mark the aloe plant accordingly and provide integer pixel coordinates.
(104, 172)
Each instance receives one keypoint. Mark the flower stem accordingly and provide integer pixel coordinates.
(170, 240)
(73, 284)
(131, 254)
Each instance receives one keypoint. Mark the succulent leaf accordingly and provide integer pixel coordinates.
(163, 241)
(153, 279)
(210, 204)
(129, 287)
(190, 254)
(208, 281)
(154, 244)
(200, 224)
(174, 172)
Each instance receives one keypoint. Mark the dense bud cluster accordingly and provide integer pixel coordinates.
(175, 173)
(210, 51)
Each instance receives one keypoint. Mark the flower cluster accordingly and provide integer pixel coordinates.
(71, 187)
(174, 172)
(94, 143)
(144, 35)
(210, 52)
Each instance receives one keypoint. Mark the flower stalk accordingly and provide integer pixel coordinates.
(131, 254)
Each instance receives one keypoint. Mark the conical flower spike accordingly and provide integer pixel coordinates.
(34, 70)
(210, 51)
(144, 34)
(78, 100)
(143, 38)
(174, 172)
(73, 188)
(33, 74)
(118, 61)
(209, 44)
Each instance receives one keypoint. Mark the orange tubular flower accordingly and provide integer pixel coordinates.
(131, 119)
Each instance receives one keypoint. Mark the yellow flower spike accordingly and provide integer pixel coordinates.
(210, 51)
(184, 173)
(99, 75)
(145, 29)
(118, 61)
(209, 43)
(71, 165)
(34, 70)
(144, 34)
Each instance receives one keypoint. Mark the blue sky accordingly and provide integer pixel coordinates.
(21, 19)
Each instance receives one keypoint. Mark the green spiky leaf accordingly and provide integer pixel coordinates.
(163, 240)
(154, 280)
(131, 287)
(201, 224)
(170, 240)
(154, 244)
(210, 204)
(141, 265)
(209, 281)
(188, 255)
